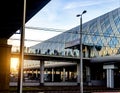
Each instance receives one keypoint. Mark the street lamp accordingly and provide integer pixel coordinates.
(20, 72)
(81, 55)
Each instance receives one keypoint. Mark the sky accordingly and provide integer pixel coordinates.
(61, 15)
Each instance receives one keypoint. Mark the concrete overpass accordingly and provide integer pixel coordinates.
(108, 63)
(11, 12)
(70, 61)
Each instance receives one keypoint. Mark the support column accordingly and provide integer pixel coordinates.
(86, 52)
(52, 74)
(88, 77)
(60, 74)
(5, 54)
(78, 73)
(32, 73)
(110, 75)
(64, 74)
(68, 75)
(110, 78)
(41, 72)
(36, 74)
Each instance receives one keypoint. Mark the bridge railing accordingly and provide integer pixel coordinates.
(92, 52)
(67, 52)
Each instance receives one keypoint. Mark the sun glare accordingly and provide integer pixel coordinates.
(14, 63)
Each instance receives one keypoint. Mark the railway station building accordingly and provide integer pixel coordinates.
(101, 52)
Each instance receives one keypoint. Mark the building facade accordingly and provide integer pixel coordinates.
(101, 39)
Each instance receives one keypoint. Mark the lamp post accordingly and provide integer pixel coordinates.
(20, 72)
(81, 55)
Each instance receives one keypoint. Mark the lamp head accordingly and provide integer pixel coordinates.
(81, 14)
(78, 15)
(84, 11)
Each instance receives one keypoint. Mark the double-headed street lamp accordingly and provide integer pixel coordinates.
(81, 55)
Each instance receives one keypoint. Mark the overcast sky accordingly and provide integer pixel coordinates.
(61, 14)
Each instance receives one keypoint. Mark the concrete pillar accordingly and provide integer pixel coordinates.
(78, 73)
(110, 75)
(64, 74)
(52, 74)
(41, 72)
(68, 75)
(36, 73)
(60, 74)
(5, 54)
(110, 78)
(86, 52)
(32, 73)
(88, 77)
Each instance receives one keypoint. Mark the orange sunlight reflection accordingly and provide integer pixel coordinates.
(14, 64)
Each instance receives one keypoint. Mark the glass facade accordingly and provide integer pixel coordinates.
(101, 35)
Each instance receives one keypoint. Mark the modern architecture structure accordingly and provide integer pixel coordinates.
(101, 43)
